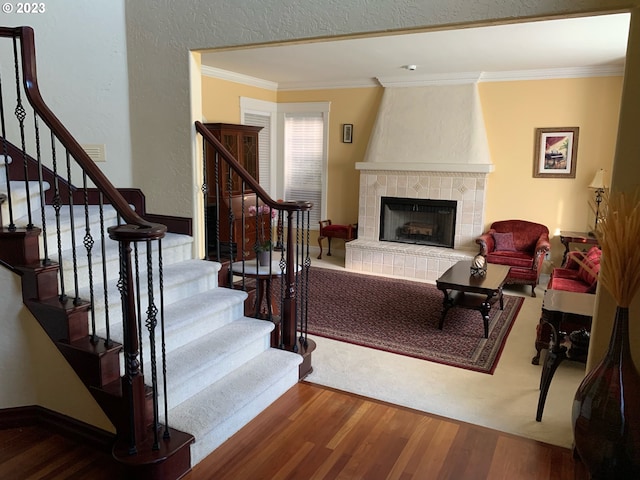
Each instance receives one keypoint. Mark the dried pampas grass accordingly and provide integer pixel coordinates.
(618, 234)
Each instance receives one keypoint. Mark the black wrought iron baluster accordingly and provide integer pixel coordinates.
(151, 323)
(231, 215)
(45, 242)
(205, 200)
(72, 220)
(57, 205)
(21, 114)
(136, 260)
(217, 184)
(88, 243)
(5, 153)
(103, 246)
(167, 433)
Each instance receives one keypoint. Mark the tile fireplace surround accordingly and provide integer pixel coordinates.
(420, 262)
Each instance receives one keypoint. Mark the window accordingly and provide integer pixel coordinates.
(304, 154)
(293, 150)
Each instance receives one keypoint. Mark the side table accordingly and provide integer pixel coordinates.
(263, 274)
(567, 238)
(559, 307)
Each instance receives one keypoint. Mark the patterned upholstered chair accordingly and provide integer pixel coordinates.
(520, 244)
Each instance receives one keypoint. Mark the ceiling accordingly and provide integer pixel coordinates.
(535, 49)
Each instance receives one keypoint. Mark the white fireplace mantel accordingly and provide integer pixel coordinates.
(427, 167)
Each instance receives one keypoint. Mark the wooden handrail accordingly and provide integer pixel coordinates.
(32, 91)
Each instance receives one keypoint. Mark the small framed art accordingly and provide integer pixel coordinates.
(555, 152)
(347, 133)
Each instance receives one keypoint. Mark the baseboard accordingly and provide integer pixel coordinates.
(61, 424)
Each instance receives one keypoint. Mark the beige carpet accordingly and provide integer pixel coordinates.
(505, 401)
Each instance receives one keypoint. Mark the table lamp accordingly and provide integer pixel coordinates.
(599, 186)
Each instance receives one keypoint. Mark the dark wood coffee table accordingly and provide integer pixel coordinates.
(462, 290)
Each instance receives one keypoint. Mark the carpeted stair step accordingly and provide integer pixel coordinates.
(19, 204)
(220, 410)
(187, 319)
(181, 280)
(213, 356)
(175, 248)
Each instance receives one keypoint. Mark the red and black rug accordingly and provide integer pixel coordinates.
(402, 316)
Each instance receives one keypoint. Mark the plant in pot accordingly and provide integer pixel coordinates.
(263, 244)
(606, 407)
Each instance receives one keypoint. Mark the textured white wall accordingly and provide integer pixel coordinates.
(161, 32)
(426, 125)
(82, 72)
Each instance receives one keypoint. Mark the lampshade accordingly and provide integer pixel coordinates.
(598, 180)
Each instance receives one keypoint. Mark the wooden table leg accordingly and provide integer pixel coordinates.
(485, 309)
(447, 303)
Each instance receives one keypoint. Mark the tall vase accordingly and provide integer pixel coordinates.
(606, 410)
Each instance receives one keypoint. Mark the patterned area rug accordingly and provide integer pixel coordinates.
(402, 316)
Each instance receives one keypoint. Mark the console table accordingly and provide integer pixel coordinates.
(561, 307)
(567, 238)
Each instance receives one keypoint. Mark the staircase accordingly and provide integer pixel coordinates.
(167, 352)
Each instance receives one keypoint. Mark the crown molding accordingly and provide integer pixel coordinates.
(238, 78)
(551, 73)
(431, 79)
(360, 83)
(422, 80)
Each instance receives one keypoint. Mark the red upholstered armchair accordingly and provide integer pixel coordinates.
(520, 244)
(573, 276)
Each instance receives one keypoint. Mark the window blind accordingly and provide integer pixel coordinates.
(303, 155)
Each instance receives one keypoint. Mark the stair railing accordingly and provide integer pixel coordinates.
(36, 145)
(283, 224)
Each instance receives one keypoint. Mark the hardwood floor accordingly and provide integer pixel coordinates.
(314, 432)
(36, 453)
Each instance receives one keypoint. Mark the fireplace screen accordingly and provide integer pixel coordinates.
(418, 221)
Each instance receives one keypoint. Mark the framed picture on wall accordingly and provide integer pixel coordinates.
(555, 152)
(347, 133)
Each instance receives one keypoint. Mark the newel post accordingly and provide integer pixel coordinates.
(132, 382)
(134, 427)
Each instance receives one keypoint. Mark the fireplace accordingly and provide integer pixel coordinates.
(418, 221)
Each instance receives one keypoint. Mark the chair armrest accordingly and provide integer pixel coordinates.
(542, 247)
(486, 242)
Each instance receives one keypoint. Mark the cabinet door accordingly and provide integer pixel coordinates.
(250, 153)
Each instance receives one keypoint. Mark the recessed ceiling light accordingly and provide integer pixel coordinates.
(410, 67)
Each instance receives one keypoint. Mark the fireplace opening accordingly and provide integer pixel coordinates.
(418, 221)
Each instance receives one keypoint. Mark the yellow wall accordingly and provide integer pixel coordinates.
(512, 112)
(221, 99)
(359, 107)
